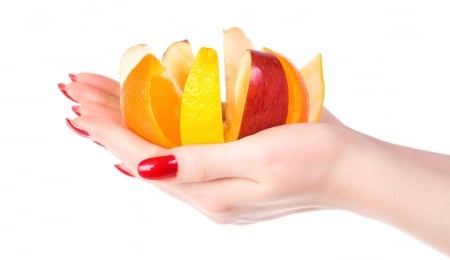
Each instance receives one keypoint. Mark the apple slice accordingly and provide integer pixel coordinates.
(298, 94)
(201, 107)
(313, 75)
(178, 59)
(235, 43)
(261, 95)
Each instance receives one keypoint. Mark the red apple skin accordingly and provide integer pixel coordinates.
(267, 97)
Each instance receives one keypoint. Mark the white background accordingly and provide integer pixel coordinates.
(387, 74)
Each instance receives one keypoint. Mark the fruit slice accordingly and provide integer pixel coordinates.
(201, 107)
(130, 59)
(261, 95)
(235, 43)
(313, 76)
(177, 101)
(165, 103)
(150, 103)
(298, 94)
(178, 60)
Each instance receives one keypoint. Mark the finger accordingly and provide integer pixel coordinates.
(85, 93)
(124, 169)
(115, 137)
(96, 110)
(199, 163)
(100, 82)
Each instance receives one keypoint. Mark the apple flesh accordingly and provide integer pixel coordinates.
(235, 44)
(261, 97)
(177, 60)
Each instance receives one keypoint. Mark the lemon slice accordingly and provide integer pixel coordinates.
(201, 108)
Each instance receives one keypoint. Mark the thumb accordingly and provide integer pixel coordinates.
(196, 163)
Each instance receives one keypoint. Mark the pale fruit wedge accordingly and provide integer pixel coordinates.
(178, 60)
(236, 103)
(235, 43)
(131, 57)
(201, 107)
(313, 75)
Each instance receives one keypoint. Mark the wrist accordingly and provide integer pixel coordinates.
(355, 171)
(403, 187)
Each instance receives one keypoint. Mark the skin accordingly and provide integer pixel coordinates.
(285, 170)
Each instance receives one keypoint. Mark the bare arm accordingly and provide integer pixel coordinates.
(404, 187)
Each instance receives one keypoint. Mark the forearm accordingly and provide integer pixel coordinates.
(404, 187)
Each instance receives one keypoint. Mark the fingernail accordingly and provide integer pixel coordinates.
(99, 144)
(62, 87)
(76, 129)
(158, 168)
(122, 170)
(76, 110)
(72, 77)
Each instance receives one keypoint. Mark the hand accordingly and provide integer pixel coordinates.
(276, 172)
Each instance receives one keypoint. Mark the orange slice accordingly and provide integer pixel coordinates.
(150, 103)
(131, 57)
(313, 76)
(201, 107)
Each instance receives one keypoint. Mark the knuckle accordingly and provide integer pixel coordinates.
(198, 167)
(88, 108)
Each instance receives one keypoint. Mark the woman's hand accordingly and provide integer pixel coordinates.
(276, 172)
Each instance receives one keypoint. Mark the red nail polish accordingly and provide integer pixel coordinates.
(122, 170)
(62, 87)
(76, 110)
(158, 168)
(76, 129)
(99, 144)
(72, 77)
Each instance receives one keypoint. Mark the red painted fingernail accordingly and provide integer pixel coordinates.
(122, 170)
(76, 129)
(72, 77)
(97, 143)
(62, 87)
(158, 168)
(76, 110)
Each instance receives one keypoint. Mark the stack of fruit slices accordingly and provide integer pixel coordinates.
(176, 100)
